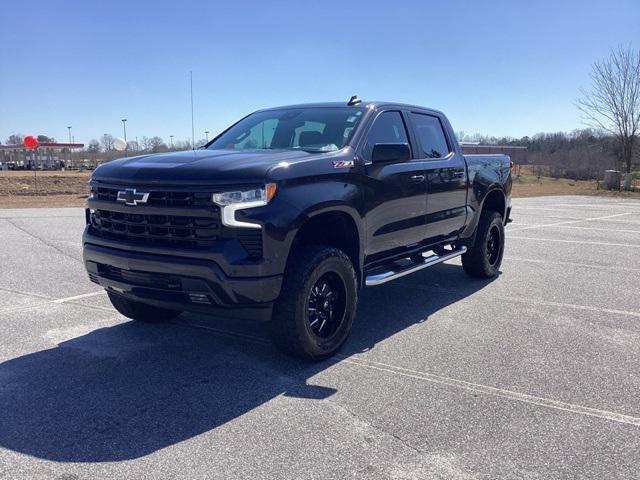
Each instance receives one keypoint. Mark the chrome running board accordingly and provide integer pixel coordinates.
(384, 277)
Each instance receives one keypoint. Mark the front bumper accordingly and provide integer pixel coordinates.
(176, 282)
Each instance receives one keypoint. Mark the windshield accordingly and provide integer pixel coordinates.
(309, 129)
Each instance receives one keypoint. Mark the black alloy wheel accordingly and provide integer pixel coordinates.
(326, 305)
(483, 258)
(494, 245)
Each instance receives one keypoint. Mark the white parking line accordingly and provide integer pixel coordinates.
(451, 382)
(498, 392)
(568, 222)
(630, 245)
(572, 264)
(576, 228)
(47, 300)
(617, 220)
(77, 297)
(534, 302)
(600, 206)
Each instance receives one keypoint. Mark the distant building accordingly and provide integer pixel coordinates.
(50, 155)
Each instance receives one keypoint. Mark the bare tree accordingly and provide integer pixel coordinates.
(182, 145)
(93, 146)
(613, 104)
(15, 139)
(107, 142)
(154, 144)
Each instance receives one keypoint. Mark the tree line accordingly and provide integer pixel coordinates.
(580, 154)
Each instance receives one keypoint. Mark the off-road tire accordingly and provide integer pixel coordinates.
(141, 311)
(290, 324)
(481, 260)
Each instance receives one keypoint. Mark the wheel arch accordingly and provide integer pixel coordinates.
(494, 199)
(337, 227)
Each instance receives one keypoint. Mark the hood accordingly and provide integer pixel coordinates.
(198, 167)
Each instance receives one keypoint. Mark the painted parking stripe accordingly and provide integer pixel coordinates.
(630, 245)
(451, 382)
(574, 227)
(572, 264)
(567, 207)
(78, 297)
(569, 222)
(534, 302)
(574, 306)
(494, 391)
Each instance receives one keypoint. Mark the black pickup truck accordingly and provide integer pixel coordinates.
(289, 212)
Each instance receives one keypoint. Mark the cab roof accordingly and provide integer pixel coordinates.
(363, 104)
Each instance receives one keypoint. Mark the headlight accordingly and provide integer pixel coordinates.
(262, 195)
(240, 199)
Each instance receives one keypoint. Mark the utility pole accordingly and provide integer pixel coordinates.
(206, 132)
(193, 134)
(69, 127)
(124, 126)
(171, 137)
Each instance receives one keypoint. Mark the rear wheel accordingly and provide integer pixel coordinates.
(313, 316)
(483, 258)
(141, 311)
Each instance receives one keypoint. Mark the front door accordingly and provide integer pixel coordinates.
(395, 193)
(446, 178)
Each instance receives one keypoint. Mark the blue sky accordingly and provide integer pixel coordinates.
(495, 67)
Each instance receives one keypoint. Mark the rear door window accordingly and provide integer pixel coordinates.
(428, 129)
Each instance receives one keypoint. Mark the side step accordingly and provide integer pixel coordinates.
(384, 277)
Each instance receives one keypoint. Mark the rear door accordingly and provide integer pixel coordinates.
(446, 174)
(396, 191)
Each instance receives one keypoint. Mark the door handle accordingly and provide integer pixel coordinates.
(458, 174)
(418, 178)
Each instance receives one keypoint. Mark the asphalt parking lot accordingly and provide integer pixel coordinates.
(533, 375)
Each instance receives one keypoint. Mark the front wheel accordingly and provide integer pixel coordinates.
(483, 258)
(313, 316)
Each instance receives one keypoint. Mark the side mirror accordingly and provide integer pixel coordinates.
(390, 152)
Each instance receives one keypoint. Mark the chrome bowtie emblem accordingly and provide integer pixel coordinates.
(132, 197)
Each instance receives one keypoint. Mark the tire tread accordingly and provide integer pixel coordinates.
(286, 331)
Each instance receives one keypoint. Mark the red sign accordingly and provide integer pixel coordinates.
(30, 141)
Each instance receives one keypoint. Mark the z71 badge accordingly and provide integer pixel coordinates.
(342, 163)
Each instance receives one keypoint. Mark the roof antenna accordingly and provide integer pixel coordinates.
(354, 100)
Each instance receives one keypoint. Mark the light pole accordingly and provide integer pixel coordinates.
(124, 126)
(206, 132)
(171, 137)
(69, 127)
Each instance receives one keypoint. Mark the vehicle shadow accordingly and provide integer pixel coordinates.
(126, 391)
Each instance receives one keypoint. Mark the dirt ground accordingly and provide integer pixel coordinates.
(27, 189)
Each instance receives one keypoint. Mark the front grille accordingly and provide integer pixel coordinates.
(159, 199)
(144, 279)
(194, 224)
(166, 230)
